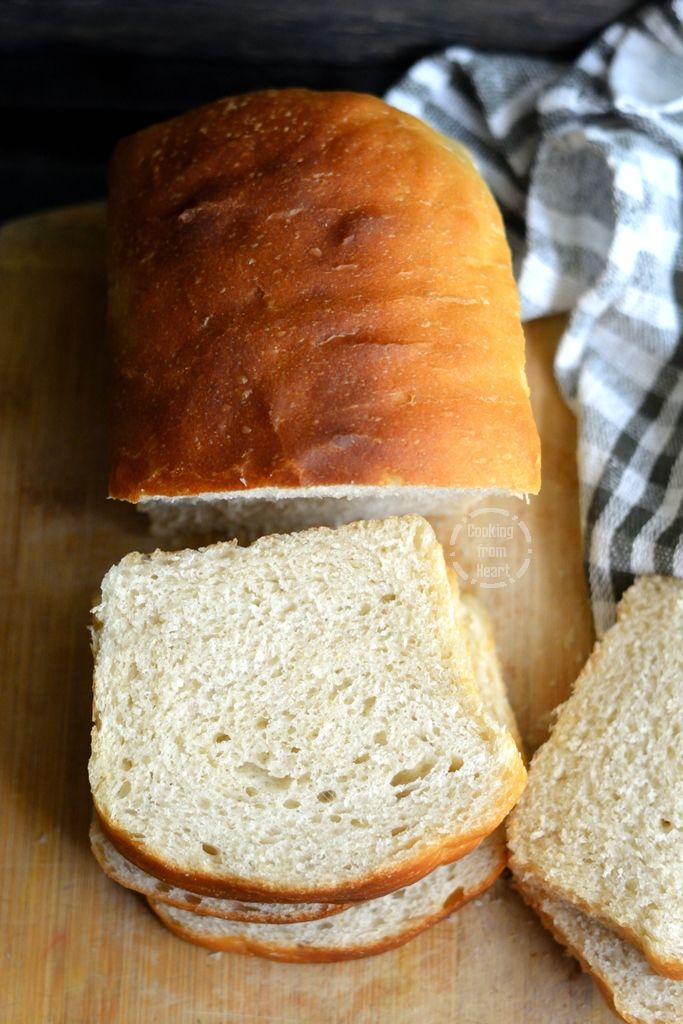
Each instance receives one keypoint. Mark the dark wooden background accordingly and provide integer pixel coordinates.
(77, 74)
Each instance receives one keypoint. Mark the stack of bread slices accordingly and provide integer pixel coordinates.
(302, 749)
(596, 841)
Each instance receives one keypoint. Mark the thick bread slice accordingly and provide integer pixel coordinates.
(263, 704)
(127, 874)
(490, 682)
(601, 822)
(312, 316)
(633, 990)
(364, 929)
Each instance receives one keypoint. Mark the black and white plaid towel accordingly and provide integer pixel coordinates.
(585, 162)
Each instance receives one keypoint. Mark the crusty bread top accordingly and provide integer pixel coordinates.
(310, 289)
(294, 721)
(601, 822)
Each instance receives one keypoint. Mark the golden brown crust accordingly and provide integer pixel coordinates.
(370, 887)
(550, 925)
(300, 954)
(310, 289)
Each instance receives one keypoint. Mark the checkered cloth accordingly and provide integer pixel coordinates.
(584, 160)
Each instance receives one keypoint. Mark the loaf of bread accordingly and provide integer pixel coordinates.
(601, 822)
(312, 318)
(633, 990)
(296, 721)
(365, 929)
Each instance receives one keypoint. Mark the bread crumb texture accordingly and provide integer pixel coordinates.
(297, 713)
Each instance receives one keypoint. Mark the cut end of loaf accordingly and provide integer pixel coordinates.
(247, 515)
(303, 708)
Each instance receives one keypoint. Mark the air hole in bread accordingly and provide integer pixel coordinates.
(380, 738)
(335, 817)
(204, 803)
(387, 598)
(292, 804)
(126, 764)
(456, 764)
(665, 825)
(193, 900)
(295, 750)
(365, 608)
(408, 845)
(263, 777)
(368, 705)
(221, 737)
(212, 850)
(326, 796)
(251, 791)
(408, 775)
(261, 723)
(361, 759)
(162, 887)
(358, 823)
(398, 830)
(124, 789)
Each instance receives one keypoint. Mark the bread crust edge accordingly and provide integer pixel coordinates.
(316, 954)
(372, 886)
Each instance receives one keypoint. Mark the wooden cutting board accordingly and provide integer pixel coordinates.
(79, 950)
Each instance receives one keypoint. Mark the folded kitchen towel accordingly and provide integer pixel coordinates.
(584, 160)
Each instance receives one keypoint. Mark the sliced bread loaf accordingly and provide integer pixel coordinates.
(295, 721)
(312, 318)
(127, 874)
(364, 929)
(628, 982)
(601, 822)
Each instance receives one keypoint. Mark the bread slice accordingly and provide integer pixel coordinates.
(633, 990)
(382, 924)
(365, 929)
(489, 678)
(601, 822)
(127, 874)
(295, 721)
(121, 870)
(313, 319)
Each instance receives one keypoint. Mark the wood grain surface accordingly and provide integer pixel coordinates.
(78, 950)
